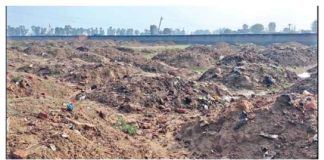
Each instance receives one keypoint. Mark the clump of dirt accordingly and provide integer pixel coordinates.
(268, 132)
(291, 54)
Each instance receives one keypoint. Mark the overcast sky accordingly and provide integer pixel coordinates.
(188, 17)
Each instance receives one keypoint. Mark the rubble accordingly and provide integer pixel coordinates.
(115, 99)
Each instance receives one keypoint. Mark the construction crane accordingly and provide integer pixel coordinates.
(160, 24)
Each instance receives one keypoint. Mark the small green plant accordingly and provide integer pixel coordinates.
(122, 125)
(199, 69)
(16, 79)
(286, 84)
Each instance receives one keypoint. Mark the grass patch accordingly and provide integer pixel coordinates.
(149, 55)
(199, 69)
(286, 85)
(122, 125)
(16, 79)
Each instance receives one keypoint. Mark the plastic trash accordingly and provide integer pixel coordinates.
(270, 136)
(268, 81)
(243, 120)
(69, 107)
(53, 147)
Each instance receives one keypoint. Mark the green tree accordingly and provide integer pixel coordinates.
(272, 27)
(257, 28)
(153, 30)
(167, 31)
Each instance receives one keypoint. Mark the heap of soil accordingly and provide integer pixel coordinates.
(251, 75)
(292, 54)
(163, 97)
(247, 53)
(309, 84)
(135, 93)
(225, 49)
(294, 125)
(186, 59)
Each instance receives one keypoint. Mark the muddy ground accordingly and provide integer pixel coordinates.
(160, 100)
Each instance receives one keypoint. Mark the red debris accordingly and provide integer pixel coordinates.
(311, 106)
(180, 110)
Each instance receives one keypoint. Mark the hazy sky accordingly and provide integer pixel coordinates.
(141, 17)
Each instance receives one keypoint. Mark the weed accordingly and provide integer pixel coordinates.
(16, 79)
(199, 69)
(125, 127)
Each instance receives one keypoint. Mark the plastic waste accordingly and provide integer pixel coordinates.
(69, 107)
(243, 120)
(270, 136)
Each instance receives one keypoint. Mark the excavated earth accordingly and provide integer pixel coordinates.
(174, 101)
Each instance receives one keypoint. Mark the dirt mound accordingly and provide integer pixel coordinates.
(82, 49)
(291, 54)
(124, 49)
(225, 49)
(309, 84)
(136, 93)
(42, 70)
(266, 133)
(200, 48)
(249, 75)
(185, 59)
(110, 99)
(246, 53)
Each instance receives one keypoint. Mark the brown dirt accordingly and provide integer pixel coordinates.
(292, 54)
(294, 126)
(183, 102)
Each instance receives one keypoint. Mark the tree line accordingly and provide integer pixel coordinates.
(68, 30)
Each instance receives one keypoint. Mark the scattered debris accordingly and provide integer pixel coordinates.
(270, 136)
(69, 107)
(170, 103)
(53, 147)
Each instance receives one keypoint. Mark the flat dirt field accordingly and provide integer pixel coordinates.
(162, 100)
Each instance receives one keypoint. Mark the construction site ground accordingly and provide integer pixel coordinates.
(161, 100)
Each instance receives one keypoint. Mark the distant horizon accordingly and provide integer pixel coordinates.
(279, 33)
(140, 17)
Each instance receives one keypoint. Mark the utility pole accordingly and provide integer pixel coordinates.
(160, 24)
